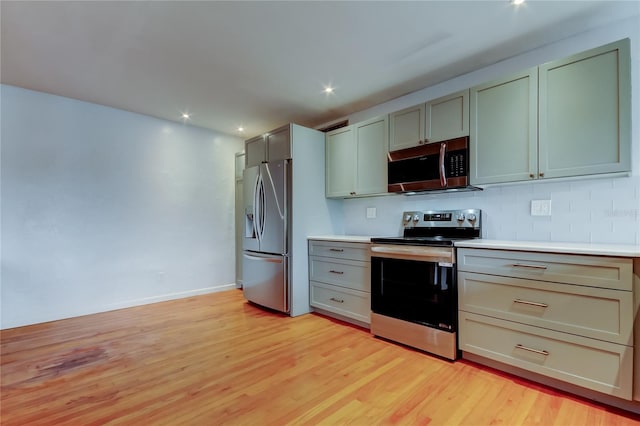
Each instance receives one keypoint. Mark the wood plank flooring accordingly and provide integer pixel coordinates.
(215, 359)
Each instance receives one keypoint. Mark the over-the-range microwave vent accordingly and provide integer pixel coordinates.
(436, 167)
(467, 188)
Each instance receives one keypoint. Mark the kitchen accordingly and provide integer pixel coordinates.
(614, 223)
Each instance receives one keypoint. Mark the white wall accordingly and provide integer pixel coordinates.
(605, 210)
(103, 208)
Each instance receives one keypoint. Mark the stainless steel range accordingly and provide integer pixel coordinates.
(414, 294)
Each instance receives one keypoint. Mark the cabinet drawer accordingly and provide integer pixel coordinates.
(593, 364)
(594, 271)
(344, 273)
(350, 303)
(351, 251)
(592, 312)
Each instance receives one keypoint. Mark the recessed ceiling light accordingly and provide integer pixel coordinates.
(241, 129)
(186, 115)
(517, 2)
(328, 90)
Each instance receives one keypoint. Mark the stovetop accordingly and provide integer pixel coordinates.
(437, 228)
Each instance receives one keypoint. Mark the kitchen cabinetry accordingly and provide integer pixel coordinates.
(437, 120)
(504, 129)
(568, 317)
(239, 216)
(569, 117)
(340, 279)
(585, 113)
(272, 146)
(356, 158)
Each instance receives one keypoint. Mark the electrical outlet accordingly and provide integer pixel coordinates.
(540, 207)
(371, 212)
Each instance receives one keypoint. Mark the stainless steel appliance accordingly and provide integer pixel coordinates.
(265, 261)
(431, 167)
(414, 297)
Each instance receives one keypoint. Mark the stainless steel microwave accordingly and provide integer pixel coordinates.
(435, 166)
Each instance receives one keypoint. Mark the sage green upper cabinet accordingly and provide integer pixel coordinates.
(569, 117)
(255, 151)
(504, 124)
(437, 120)
(372, 139)
(272, 146)
(340, 175)
(447, 117)
(585, 113)
(406, 127)
(279, 143)
(356, 159)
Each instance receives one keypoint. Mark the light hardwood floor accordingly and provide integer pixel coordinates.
(215, 359)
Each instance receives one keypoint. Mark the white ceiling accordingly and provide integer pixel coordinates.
(263, 64)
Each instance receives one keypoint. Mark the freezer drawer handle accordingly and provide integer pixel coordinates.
(337, 300)
(526, 302)
(335, 249)
(264, 259)
(336, 272)
(523, 265)
(537, 351)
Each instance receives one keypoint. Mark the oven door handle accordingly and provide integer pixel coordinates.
(421, 253)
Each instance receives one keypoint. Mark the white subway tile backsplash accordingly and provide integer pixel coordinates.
(605, 210)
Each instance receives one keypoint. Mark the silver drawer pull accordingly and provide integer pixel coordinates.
(337, 300)
(524, 265)
(526, 302)
(338, 250)
(537, 351)
(336, 272)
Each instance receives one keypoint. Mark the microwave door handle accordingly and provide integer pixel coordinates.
(443, 177)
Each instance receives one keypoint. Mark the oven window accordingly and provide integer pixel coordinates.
(415, 291)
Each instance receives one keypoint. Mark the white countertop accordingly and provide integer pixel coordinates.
(623, 250)
(344, 238)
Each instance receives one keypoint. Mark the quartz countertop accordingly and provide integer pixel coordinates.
(344, 238)
(620, 250)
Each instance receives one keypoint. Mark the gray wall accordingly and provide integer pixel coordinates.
(103, 209)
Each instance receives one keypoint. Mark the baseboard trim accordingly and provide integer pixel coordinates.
(168, 296)
(118, 305)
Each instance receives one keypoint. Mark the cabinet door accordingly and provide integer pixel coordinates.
(585, 113)
(372, 137)
(503, 130)
(340, 173)
(255, 151)
(279, 144)
(406, 128)
(447, 117)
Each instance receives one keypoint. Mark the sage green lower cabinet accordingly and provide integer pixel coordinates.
(340, 279)
(567, 317)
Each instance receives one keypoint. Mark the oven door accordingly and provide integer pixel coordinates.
(418, 291)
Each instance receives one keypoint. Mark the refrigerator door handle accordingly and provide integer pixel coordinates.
(272, 187)
(258, 208)
(264, 259)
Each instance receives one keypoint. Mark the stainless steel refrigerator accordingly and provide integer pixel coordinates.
(266, 241)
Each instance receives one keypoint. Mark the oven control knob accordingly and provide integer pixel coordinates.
(407, 218)
(460, 217)
(416, 218)
(471, 217)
